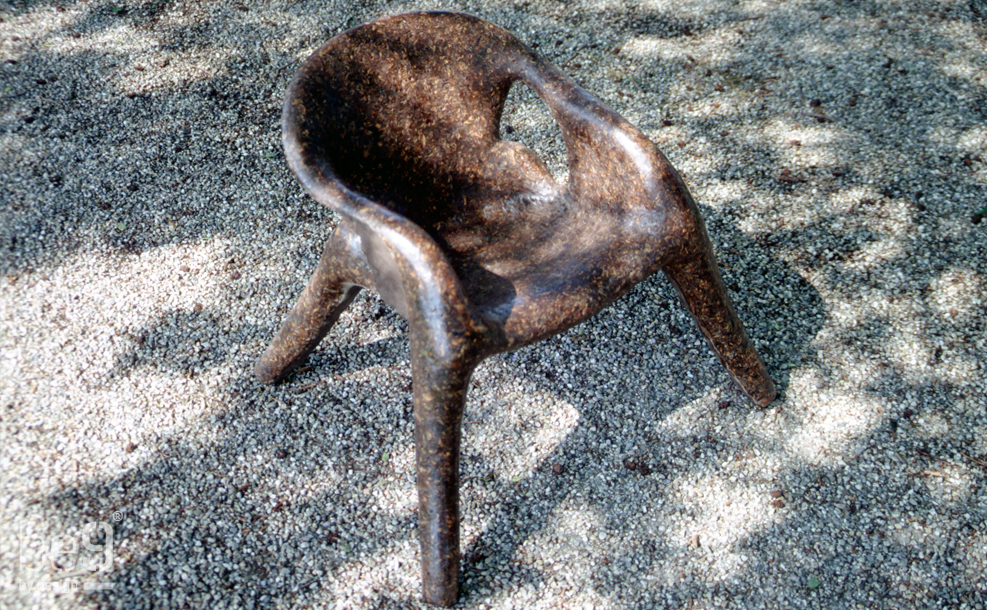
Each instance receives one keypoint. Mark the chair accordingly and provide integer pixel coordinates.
(394, 124)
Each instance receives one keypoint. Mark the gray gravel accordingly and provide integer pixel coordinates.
(152, 239)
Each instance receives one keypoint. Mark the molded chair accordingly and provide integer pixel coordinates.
(394, 124)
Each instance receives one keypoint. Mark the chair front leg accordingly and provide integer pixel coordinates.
(697, 279)
(440, 387)
(326, 296)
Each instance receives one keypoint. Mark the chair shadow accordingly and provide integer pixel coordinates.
(225, 499)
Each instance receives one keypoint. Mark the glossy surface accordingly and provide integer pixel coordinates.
(394, 124)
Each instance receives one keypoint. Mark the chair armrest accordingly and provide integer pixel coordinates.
(611, 163)
(410, 271)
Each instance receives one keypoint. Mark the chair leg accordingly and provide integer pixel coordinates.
(697, 279)
(440, 396)
(327, 295)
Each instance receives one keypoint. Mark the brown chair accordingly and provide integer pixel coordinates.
(394, 124)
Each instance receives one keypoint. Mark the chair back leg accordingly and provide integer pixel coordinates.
(697, 279)
(328, 294)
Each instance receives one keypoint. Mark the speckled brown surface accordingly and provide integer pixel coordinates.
(395, 125)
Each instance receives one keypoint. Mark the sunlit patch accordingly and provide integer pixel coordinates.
(396, 492)
(689, 8)
(715, 193)
(122, 39)
(714, 47)
(575, 536)
(971, 550)
(958, 65)
(726, 511)
(145, 66)
(875, 255)
(535, 425)
(817, 145)
(973, 140)
(835, 427)
(906, 348)
(358, 582)
(12, 145)
(947, 484)
(802, 144)
(606, 5)
(571, 530)
(953, 295)
(930, 425)
(942, 135)
(688, 419)
(33, 25)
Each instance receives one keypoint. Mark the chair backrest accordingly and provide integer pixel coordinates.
(405, 109)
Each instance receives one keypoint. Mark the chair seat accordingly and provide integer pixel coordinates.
(536, 271)
(532, 258)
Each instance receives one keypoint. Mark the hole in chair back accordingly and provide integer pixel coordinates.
(527, 121)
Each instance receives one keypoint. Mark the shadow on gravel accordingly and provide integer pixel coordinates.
(240, 498)
(242, 512)
(621, 491)
(139, 154)
(198, 508)
(182, 343)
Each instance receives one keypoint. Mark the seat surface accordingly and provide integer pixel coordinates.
(534, 259)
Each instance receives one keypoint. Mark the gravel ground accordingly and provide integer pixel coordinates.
(152, 240)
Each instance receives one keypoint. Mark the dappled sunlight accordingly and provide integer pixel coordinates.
(728, 509)
(541, 421)
(953, 295)
(906, 344)
(945, 136)
(810, 145)
(11, 145)
(688, 419)
(834, 430)
(797, 209)
(355, 562)
(195, 287)
(973, 140)
(116, 40)
(958, 67)
(395, 491)
(197, 66)
(717, 46)
(837, 160)
(973, 552)
(572, 529)
(690, 8)
(39, 23)
(873, 255)
(716, 193)
(795, 140)
(930, 425)
(146, 65)
(965, 60)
